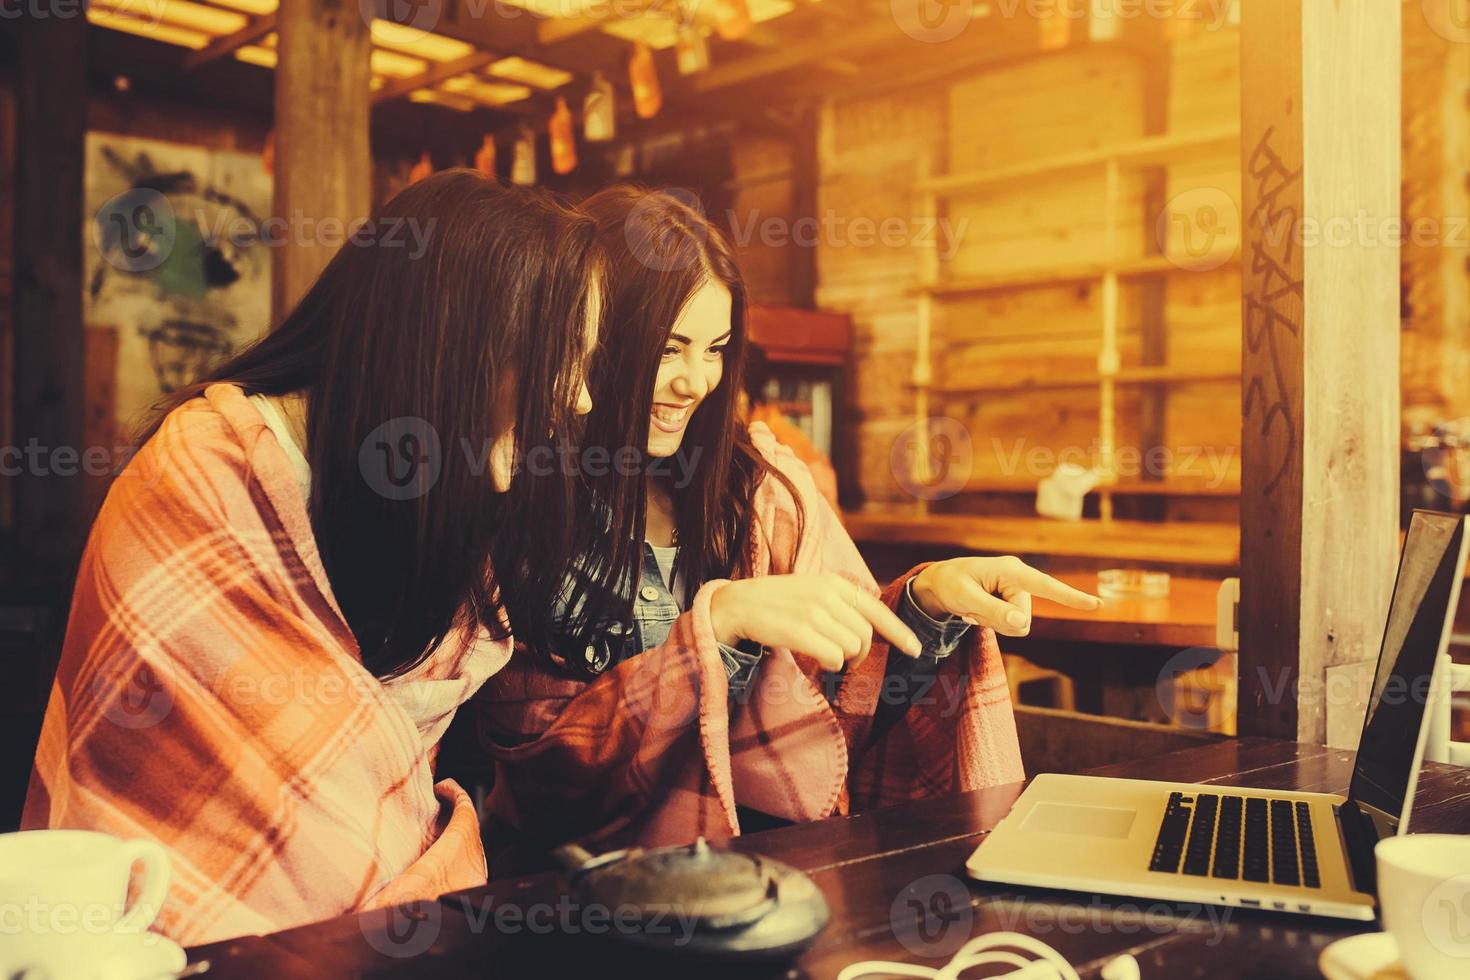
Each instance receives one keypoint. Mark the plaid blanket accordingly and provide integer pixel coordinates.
(210, 697)
(654, 751)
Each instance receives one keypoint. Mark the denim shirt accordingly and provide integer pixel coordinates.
(655, 610)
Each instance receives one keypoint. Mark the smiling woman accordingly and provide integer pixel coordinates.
(733, 679)
(300, 577)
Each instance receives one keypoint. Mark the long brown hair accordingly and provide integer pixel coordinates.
(660, 249)
(405, 352)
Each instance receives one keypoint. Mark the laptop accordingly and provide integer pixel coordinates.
(1309, 853)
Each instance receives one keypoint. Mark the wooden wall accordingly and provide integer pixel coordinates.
(1435, 351)
(1078, 99)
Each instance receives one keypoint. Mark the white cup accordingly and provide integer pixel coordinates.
(75, 882)
(111, 956)
(1424, 896)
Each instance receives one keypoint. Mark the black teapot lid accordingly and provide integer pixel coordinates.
(719, 888)
(740, 905)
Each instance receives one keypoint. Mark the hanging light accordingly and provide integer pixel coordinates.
(563, 142)
(523, 158)
(599, 111)
(648, 98)
(691, 50)
(485, 157)
(732, 19)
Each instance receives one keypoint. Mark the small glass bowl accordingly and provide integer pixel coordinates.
(1132, 583)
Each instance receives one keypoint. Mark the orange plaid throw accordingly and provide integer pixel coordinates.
(210, 697)
(653, 751)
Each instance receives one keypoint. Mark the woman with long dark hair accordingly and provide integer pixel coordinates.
(746, 669)
(317, 555)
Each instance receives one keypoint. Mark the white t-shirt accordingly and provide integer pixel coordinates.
(277, 424)
(665, 558)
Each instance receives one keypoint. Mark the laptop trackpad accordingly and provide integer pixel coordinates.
(1075, 818)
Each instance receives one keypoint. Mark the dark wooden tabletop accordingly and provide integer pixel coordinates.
(894, 880)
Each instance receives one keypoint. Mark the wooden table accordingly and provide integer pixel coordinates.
(1183, 618)
(1117, 655)
(895, 883)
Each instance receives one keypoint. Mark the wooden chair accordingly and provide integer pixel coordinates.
(1450, 679)
(1020, 671)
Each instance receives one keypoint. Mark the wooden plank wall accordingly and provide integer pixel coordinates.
(1435, 349)
(869, 152)
(1080, 98)
(760, 215)
(1050, 332)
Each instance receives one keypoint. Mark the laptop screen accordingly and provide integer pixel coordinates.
(1429, 572)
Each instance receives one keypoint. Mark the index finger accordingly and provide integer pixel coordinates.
(1039, 583)
(887, 623)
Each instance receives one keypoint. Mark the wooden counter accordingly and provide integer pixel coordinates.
(1205, 545)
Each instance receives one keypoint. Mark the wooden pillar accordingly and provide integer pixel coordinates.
(323, 165)
(1320, 362)
(806, 178)
(47, 366)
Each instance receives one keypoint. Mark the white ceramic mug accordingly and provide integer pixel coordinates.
(69, 882)
(1424, 896)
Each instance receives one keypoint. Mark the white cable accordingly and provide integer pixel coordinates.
(994, 949)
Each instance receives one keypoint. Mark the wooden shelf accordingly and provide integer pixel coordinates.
(1208, 545)
(1168, 487)
(1147, 151)
(1141, 375)
(800, 336)
(1146, 266)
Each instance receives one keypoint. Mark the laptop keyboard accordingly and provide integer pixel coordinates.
(1237, 837)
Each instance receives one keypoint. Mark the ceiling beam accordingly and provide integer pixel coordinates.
(431, 77)
(228, 44)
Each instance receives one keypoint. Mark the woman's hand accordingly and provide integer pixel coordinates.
(994, 592)
(825, 617)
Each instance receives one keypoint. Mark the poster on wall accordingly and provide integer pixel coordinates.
(175, 260)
